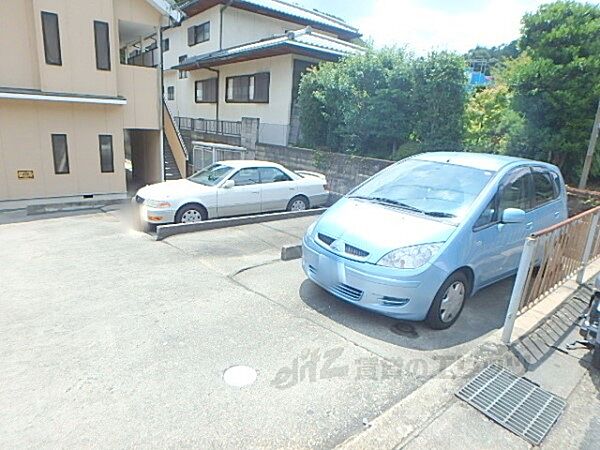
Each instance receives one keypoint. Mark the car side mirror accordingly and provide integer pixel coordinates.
(228, 184)
(513, 215)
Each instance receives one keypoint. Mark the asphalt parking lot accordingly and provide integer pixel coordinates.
(109, 338)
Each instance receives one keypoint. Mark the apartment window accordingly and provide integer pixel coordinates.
(51, 36)
(198, 34)
(60, 154)
(182, 73)
(171, 93)
(166, 45)
(249, 88)
(106, 153)
(102, 43)
(206, 91)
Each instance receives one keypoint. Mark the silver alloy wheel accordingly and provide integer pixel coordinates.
(298, 205)
(191, 216)
(452, 301)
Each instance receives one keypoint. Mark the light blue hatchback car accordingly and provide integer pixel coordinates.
(415, 240)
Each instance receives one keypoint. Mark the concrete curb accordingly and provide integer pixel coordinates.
(165, 231)
(35, 210)
(291, 252)
(411, 415)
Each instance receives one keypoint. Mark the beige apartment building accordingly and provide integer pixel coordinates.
(80, 98)
(244, 58)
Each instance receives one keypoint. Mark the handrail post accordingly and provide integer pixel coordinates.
(588, 248)
(518, 289)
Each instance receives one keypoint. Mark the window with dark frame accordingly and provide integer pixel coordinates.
(171, 93)
(544, 187)
(248, 88)
(198, 33)
(272, 175)
(166, 45)
(102, 42)
(206, 91)
(60, 154)
(183, 74)
(51, 35)
(246, 177)
(106, 153)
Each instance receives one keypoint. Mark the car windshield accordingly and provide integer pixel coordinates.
(211, 175)
(435, 189)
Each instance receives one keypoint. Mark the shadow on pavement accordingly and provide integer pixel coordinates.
(482, 314)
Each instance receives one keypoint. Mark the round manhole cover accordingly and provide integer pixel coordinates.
(239, 376)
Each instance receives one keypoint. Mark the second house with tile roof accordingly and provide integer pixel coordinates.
(230, 59)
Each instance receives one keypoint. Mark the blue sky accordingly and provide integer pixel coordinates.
(423, 25)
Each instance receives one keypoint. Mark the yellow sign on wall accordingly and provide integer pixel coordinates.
(25, 174)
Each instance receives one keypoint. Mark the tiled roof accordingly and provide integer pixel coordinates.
(304, 13)
(305, 39)
(291, 11)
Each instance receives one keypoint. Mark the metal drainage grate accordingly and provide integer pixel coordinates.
(516, 403)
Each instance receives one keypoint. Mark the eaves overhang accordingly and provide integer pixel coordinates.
(37, 95)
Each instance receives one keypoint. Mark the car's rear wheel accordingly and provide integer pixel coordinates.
(448, 302)
(298, 203)
(191, 214)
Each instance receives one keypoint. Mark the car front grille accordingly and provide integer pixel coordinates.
(351, 250)
(348, 249)
(347, 292)
(326, 239)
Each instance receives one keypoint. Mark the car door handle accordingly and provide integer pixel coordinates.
(557, 214)
(529, 226)
(255, 192)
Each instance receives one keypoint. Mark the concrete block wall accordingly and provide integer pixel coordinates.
(343, 172)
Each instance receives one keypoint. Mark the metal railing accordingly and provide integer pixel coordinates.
(550, 258)
(208, 126)
(206, 154)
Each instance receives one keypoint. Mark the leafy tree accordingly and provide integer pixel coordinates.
(384, 103)
(556, 83)
(439, 99)
(491, 122)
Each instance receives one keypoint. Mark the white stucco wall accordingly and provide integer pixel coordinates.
(178, 41)
(274, 116)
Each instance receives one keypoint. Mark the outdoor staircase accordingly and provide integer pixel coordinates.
(170, 168)
(175, 154)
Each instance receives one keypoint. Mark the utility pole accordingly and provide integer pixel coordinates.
(589, 157)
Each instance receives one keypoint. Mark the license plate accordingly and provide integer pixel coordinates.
(330, 271)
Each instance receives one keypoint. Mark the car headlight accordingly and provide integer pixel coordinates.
(157, 204)
(411, 257)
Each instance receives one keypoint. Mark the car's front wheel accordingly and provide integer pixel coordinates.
(448, 302)
(191, 214)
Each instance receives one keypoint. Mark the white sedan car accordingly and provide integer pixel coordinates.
(231, 188)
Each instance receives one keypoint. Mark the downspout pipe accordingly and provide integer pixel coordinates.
(218, 72)
(223, 8)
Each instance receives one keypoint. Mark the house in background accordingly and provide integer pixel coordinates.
(80, 98)
(230, 59)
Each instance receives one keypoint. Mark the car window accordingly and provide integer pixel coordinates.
(272, 175)
(543, 188)
(246, 177)
(488, 216)
(438, 189)
(515, 191)
(211, 175)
